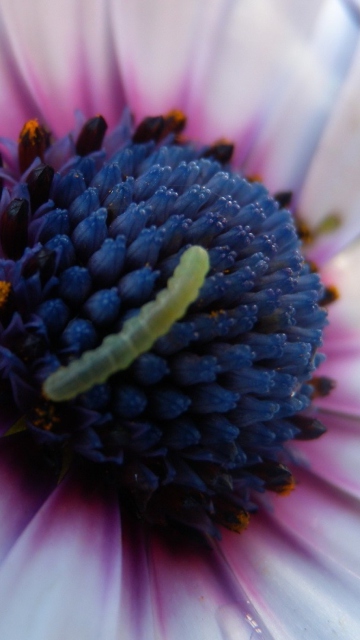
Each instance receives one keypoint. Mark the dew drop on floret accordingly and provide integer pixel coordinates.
(91, 229)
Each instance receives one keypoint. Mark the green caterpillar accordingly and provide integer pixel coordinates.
(138, 334)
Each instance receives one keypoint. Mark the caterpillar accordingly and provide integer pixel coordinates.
(138, 334)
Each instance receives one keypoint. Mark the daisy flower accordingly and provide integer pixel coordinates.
(175, 179)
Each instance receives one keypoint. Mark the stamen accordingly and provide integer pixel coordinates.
(34, 139)
(14, 228)
(175, 122)
(43, 261)
(310, 428)
(322, 386)
(331, 294)
(283, 198)
(39, 184)
(276, 476)
(304, 232)
(230, 516)
(222, 151)
(149, 129)
(91, 136)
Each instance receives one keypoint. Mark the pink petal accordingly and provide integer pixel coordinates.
(342, 336)
(318, 515)
(62, 577)
(196, 596)
(157, 49)
(78, 70)
(335, 456)
(345, 371)
(344, 314)
(24, 488)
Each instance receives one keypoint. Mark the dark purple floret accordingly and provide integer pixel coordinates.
(194, 428)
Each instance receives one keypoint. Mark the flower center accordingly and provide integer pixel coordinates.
(193, 426)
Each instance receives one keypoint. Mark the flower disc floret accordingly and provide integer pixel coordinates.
(91, 232)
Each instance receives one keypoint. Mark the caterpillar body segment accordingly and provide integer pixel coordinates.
(138, 334)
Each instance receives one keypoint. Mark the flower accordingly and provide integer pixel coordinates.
(69, 567)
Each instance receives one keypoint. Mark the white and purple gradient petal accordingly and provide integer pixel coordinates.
(71, 585)
(281, 79)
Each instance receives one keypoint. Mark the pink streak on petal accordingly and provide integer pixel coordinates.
(319, 514)
(78, 70)
(294, 590)
(196, 595)
(137, 614)
(24, 488)
(16, 101)
(159, 50)
(344, 369)
(335, 456)
(342, 336)
(62, 577)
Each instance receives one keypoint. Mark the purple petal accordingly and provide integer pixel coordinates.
(62, 576)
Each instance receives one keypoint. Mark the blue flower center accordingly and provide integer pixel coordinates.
(194, 428)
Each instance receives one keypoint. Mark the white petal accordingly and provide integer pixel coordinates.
(62, 577)
(297, 595)
(344, 369)
(197, 597)
(342, 336)
(318, 514)
(332, 186)
(157, 43)
(269, 82)
(54, 58)
(335, 456)
(342, 271)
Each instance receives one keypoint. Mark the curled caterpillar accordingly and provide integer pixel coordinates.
(138, 334)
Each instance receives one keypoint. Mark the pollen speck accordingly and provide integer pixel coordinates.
(175, 122)
(46, 417)
(231, 517)
(34, 139)
(5, 288)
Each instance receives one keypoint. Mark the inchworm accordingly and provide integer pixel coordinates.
(138, 334)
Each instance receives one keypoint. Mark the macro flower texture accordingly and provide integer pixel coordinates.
(179, 320)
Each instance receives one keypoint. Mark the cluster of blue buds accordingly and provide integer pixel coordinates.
(91, 229)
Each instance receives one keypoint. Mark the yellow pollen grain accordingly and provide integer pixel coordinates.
(46, 417)
(30, 131)
(177, 116)
(216, 314)
(287, 488)
(256, 177)
(233, 519)
(5, 288)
